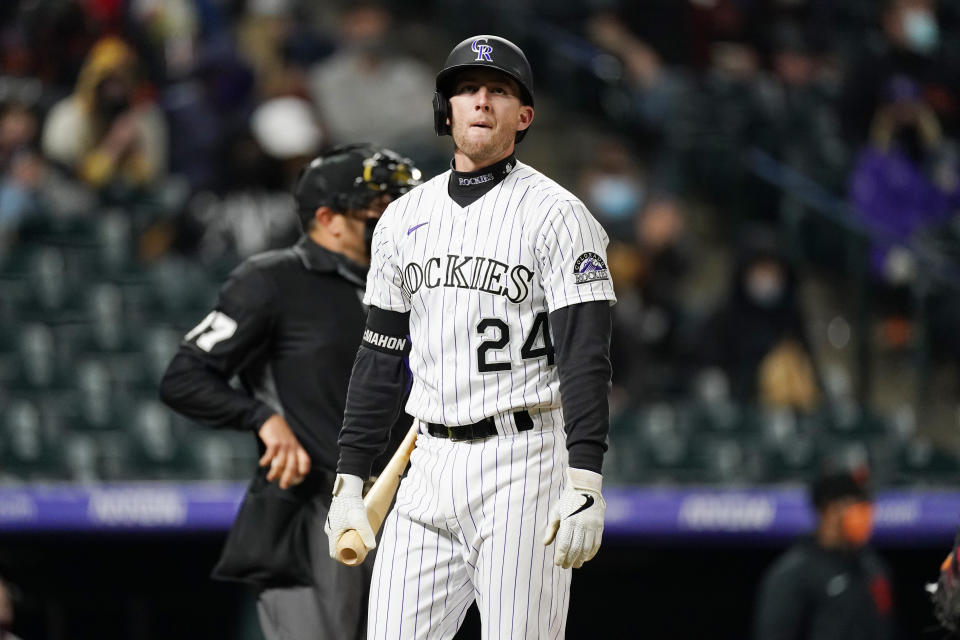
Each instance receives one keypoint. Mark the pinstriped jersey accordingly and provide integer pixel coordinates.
(479, 282)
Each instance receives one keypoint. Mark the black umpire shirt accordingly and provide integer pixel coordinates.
(288, 323)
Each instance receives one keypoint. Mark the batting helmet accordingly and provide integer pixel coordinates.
(485, 52)
(348, 177)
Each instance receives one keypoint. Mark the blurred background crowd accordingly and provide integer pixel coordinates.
(779, 179)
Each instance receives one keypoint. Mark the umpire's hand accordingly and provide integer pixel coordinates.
(287, 459)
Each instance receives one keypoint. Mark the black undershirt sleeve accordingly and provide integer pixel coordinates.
(376, 391)
(581, 339)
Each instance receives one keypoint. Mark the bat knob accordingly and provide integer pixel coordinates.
(350, 549)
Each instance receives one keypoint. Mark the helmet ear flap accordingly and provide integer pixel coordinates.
(441, 111)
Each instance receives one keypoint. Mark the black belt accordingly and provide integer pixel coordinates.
(478, 430)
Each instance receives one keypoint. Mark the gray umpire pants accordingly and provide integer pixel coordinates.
(335, 608)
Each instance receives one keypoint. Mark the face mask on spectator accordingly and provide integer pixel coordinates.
(857, 523)
(764, 287)
(112, 98)
(908, 140)
(615, 197)
(921, 30)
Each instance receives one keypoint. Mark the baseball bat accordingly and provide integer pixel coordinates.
(350, 548)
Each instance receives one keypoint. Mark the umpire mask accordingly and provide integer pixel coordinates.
(349, 177)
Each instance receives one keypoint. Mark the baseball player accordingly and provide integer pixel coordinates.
(288, 324)
(499, 277)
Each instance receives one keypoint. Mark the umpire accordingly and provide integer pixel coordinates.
(288, 324)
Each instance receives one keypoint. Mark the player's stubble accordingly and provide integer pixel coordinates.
(484, 146)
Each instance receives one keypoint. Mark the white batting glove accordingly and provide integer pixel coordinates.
(347, 512)
(576, 521)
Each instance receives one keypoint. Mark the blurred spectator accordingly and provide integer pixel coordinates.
(277, 39)
(716, 21)
(648, 353)
(47, 40)
(724, 121)
(654, 91)
(911, 45)
(109, 131)
(29, 185)
(206, 110)
(286, 130)
(906, 179)
(798, 104)
(7, 617)
(613, 188)
(758, 337)
(665, 25)
(370, 89)
(831, 585)
(252, 213)
(18, 193)
(168, 31)
(18, 130)
(653, 102)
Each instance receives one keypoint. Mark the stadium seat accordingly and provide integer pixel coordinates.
(115, 457)
(39, 362)
(28, 454)
(158, 451)
(849, 419)
(729, 459)
(921, 462)
(107, 334)
(54, 293)
(74, 230)
(663, 445)
(184, 293)
(12, 301)
(106, 312)
(158, 346)
(99, 403)
(221, 456)
(621, 462)
(712, 408)
(82, 458)
(848, 452)
(114, 236)
(789, 446)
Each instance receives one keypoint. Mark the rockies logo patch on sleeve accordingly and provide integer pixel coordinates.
(590, 267)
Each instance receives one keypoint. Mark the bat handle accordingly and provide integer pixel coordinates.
(350, 548)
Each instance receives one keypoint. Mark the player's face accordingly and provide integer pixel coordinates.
(485, 115)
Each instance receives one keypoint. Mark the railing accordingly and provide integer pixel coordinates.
(935, 270)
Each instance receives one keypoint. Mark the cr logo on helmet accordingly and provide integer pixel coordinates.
(483, 51)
